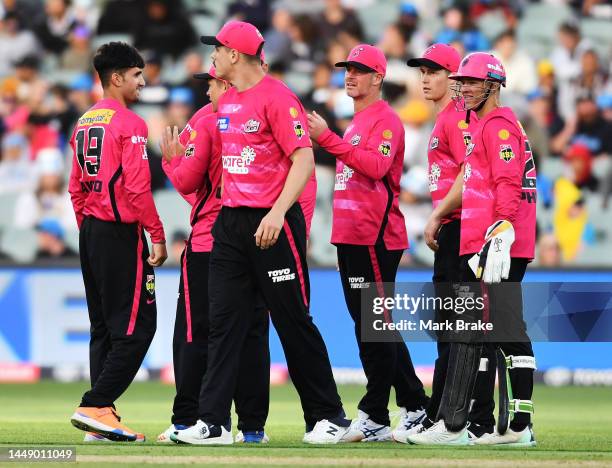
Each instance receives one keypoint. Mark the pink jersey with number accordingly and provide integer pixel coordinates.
(447, 144)
(197, 176)
(110, 178)
(368, 169)
(260, 128)
(499, 183)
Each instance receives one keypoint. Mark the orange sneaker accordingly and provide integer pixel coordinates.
(105, 422)
(93, 437)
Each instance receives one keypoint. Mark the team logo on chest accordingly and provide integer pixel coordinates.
(251, 126)
(434, 143)
(434, 175)
(505, 153)
(355, 140)
(343, 178)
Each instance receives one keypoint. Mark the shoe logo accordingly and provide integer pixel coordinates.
(332, 431)
(204, 431)
(416, 422)
(371, 432)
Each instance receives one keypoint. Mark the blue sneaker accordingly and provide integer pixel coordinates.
(252, 437)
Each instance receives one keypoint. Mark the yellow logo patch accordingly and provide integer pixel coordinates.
(387, 134)
(96, 117)
(503, 134)
(192, 135)
(462, 124)
(293, 112)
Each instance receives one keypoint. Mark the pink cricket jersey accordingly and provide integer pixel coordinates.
(447, 145)
(197, 175)
(368, 170)
(110, 178)
(308, 200)
(260, 128)
(499, 183)
(186, 132)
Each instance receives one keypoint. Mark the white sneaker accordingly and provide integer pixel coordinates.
(365, 430)
(325, 432)
(410, 422)
(439, 435)
(203, 434)
(93, 437)
(164, 437)
(524, 438)
(253, 438)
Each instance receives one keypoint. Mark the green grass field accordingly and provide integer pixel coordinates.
(573, 427)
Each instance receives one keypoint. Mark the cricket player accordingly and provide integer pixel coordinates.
(192, 161)
(260, 241)
(498, 215)
(369, 232)
(110, 187)
(447, 147)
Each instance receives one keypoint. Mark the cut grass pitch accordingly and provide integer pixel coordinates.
(573, 427)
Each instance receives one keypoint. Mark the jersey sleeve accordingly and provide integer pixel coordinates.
(137, 179)
(372, 158)
(187, 173)
(74, 184)
(505, 154)
(457, 140)
(287, 120)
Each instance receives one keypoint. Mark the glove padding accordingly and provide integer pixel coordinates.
(492, 263)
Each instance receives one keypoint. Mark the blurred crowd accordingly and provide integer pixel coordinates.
(560, 90)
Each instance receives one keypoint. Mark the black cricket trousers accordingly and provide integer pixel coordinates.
(120, 292)
(239, 271)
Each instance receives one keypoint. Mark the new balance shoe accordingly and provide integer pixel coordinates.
(251, 437)
(202, 433)
(439, 435)
(363, 429)
(164, 437)
(326, 432)
(93, 437)
(411, 424)
(476, 431)
(524, 438)
(105, 422)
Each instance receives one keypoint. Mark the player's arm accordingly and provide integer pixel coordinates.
(74, 185)
(449, 203)
(372, 159)
(137, 183)
(290, 129)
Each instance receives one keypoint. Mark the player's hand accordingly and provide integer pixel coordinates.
(269, 229)
(432, 228)
(316, 125)
(492, 263)
(158, 255)
(170, 145)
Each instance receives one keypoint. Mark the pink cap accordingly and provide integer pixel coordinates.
(239, 35)
(438, 56)
(367, 58)
(481, 66)
(212, 74)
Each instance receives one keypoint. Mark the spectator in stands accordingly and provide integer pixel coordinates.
(156, 92)
(80, 93)
(566, 59)
(256, 12)
(164, 27)
(579, 160)
(519, 66)
(15, 43)
(537, 123)
(16, 169)
(305, 40)
(335, 19)
(49, 199)
(78, 54)
(118, 16)
(458, 23)
(54, 29)
(278, 39)
(418, 39)
(549, 252)
(62, 113)
(194, 64)
(50, 239)
(180, 107)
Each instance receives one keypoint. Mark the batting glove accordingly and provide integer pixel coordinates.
(492, 263)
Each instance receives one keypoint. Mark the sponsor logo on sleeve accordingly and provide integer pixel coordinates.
(434, 176)
(387, 134)
(385, 148)
(298, 129)
(434, 143)
(293, 112)
(503, 134)
(223, 123)
(251, 126)
(96, 117)
(190, 150)
(137, 139)
(467, 138)
(462, 124)
(505, 153)
(355, 140)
